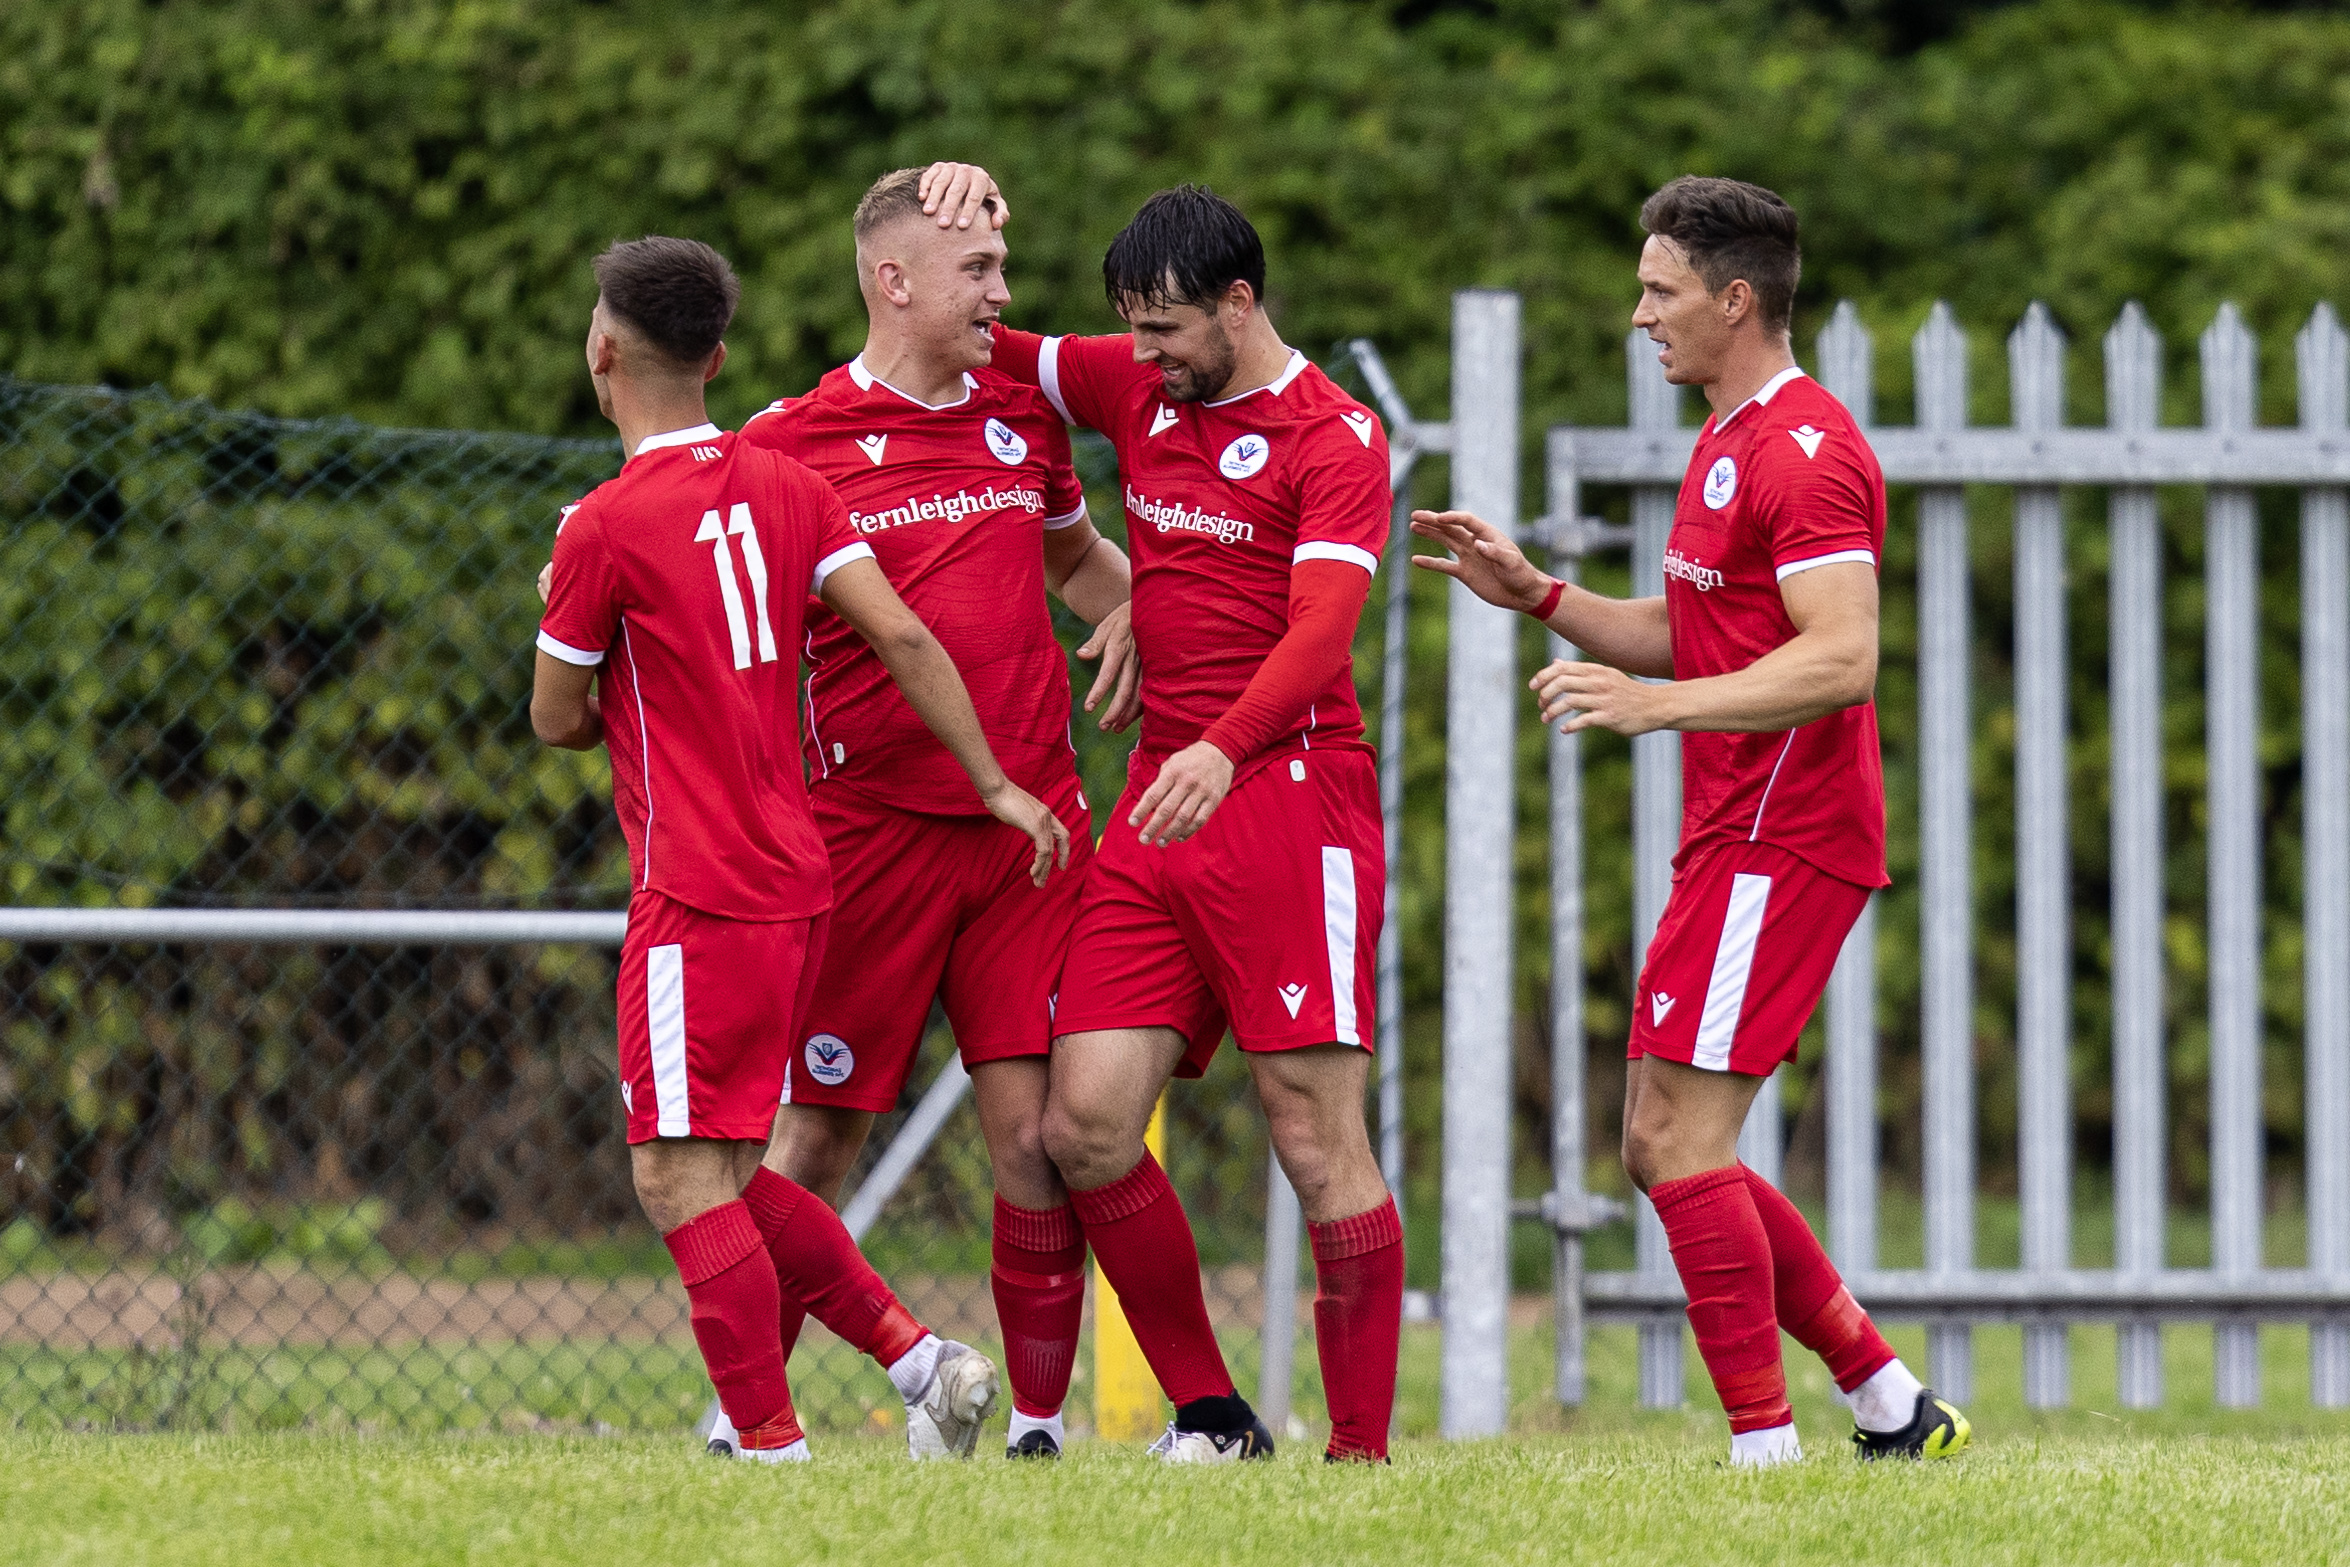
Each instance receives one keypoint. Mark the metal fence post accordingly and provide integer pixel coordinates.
(1656, 833)
(2231, 735)
(2043, 887)
(1845, 356)
(1394, 671)
(1482, 697)
(2133, 402)
(2323, 355)
(1568, 1107)
(1946, 882)
(1277, 1350)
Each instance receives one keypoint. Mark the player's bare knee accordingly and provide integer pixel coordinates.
(1085, 1149)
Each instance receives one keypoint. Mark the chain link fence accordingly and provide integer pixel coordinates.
(260, 663)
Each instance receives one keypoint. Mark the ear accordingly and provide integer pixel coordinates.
(889, 276)
(1737, 301)
(715, 363)
(602, 351)
(1238, 303)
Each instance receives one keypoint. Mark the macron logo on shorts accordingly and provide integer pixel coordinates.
(1293, 997)
(830, 1060)
(1659, 1004)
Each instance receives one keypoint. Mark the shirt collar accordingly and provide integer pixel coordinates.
(866, 381)
(1279, 384)
(1770, 390)
(704, 431)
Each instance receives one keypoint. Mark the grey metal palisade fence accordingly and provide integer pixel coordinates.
(2037, 455)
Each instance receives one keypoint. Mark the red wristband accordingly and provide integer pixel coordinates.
(1550, 601)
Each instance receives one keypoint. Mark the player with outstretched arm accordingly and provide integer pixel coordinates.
(960, 480)
(671, 637)
(1764, 653)
(1239, 881)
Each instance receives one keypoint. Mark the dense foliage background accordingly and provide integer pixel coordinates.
(383, 208)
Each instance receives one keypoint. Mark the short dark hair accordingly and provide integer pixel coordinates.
(678, 292)
(1186, 246)
(1729, 229)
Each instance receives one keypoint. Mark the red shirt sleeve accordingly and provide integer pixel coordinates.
(1820, 508)
(1079, 376)
(1064, 492)
(768, 429)
(837, 540)
(1326, 598)
(1344, 502)
(583, 598)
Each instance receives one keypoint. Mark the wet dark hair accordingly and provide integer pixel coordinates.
(678, 292)
(1729, 230)
(1186, 246)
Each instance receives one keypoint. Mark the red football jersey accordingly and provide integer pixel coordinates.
(686, 577)
(1785, 483)
(955, 501)
(1222, 499)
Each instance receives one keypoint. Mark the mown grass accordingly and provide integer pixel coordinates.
(1608, 1482)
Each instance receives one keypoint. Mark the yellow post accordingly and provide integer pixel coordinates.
(1126, 1403)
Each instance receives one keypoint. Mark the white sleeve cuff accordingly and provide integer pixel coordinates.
(1048, 375)
(1349, 553)
(1055, 524)
(1866, 557)
(566, 652)
(837, 559)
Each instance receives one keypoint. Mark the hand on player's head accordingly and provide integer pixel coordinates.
(958, 194)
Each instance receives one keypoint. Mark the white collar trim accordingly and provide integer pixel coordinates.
(1279, 384)
(704, 431)
(1770, 390)
(866, 381)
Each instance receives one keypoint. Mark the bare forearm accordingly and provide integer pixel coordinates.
(1809, 677)
(1631, 634)
(1099, 583)
(935, 690)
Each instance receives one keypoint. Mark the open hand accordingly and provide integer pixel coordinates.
(1016, 807)
(1120, 677)
(1599, 697)
(958, 192)
(1184, 795)
(1483, 557)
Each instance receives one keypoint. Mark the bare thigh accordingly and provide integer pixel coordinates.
(1313, 1101)
(1682, 1120)
(1098, 1105)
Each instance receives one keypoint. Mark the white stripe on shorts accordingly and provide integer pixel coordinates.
(1725, 993)
(1338, 934)
(665, 1026)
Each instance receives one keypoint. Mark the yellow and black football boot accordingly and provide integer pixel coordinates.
(1937, 1430)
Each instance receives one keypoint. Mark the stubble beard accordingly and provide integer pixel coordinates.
(1205, 378)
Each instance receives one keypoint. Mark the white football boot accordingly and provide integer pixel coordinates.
(943, 1419)
(1213, 1447)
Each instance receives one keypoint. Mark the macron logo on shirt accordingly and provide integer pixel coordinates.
(1163, 419)
(1809, 439)
(1360, 423)
(873, 446)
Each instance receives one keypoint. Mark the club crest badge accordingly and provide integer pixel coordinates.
(1006, 444)
(1721, 482)
(830, 1060)
(1245, 457)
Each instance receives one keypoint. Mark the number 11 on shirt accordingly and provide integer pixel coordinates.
(738, 525)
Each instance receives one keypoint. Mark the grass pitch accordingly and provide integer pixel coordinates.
(1610, 1483)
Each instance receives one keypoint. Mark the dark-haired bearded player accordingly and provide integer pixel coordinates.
(1765, 644)
(1239, 880)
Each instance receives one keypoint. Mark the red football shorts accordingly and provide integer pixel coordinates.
(1266, 919)
(932, 906)
(1741, 958)
(707, 1013)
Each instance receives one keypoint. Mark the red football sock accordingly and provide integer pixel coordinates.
(732, 1298)
(818, 1265)
(1358, 1325)
(1809, 1294)
(1039, 1280)
(1724, 1258)
(1142, 1239)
